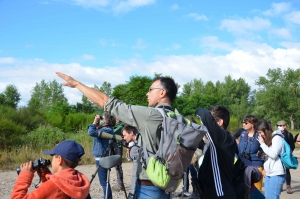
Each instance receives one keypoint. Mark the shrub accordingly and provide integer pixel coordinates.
(10, 130)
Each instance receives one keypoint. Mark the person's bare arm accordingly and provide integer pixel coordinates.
(95, 96)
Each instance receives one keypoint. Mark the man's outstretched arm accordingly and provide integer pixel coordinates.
(95, 96)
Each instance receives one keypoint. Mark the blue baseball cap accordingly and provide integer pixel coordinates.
(68, 149)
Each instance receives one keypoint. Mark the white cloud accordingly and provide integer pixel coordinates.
(88, 57)
(291, 45)
(212, 43)
(249, 62)
(109, 43)
(91, 3)
(281, 33)
(24, 74)
(174, 47)
(254, 48)
(128, 5)
(7, 60)
(140, 45)
(83, 58)
(245, 25)
(197, 17)
(294, 17)
(174, 7)
(44, 2)
(117, 6)
(277, 9)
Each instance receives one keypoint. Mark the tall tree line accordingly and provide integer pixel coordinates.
(276, 98)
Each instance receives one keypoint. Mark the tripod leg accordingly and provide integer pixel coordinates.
(107, 183)
(184, 184)
(120, 174)
(93, 175)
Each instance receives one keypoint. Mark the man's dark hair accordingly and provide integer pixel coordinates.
(129, 128)
(109, 119)
(220, 112)
(169, 85)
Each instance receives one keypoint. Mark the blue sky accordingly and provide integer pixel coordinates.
(110, 40)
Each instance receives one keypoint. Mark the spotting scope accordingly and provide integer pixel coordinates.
(109, 136)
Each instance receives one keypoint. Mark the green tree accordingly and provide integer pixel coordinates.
(278, 95)
(196, 94)
(105, 88)
(10, 97)
(232, 91)
(46, 94)
(134, 91)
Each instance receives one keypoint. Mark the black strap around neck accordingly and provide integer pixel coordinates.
(246, 142)
(169, 108)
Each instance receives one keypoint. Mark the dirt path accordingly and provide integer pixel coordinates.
(8, 179)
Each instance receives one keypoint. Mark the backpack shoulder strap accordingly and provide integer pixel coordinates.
(285, 145)
(134, 177)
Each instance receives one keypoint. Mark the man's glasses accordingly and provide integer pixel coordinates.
(279, 125)
(245, 123)
(150, 89)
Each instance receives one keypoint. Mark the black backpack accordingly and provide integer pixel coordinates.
(238, 179)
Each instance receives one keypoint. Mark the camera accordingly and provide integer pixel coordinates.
(36, 164)
(245, 156)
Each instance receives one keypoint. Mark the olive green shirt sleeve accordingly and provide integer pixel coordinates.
(145, 119)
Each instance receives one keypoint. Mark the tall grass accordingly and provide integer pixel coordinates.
(44, 138)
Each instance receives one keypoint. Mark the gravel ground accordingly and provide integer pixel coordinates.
(8, 179)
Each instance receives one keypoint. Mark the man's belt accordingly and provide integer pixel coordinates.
(145, 182)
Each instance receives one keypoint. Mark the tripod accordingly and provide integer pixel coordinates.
(109, 161)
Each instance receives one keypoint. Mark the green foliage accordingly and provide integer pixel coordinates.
(105, 88)
(278, 95)
(10, 97)
(75, 122)
(12, 125)
(44, 95)
(86, 106)
(71, 122)
(195, 95)
(233, 94)
(44, 136)
(10, 132)
(134, 91)
(234, 125)
(29, 117)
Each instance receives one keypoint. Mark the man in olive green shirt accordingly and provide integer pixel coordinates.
(117, 130)
(146, 119)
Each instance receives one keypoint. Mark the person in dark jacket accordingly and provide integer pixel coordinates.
(238, 134)
(283, 126)
(297, 139)
(216, 172)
